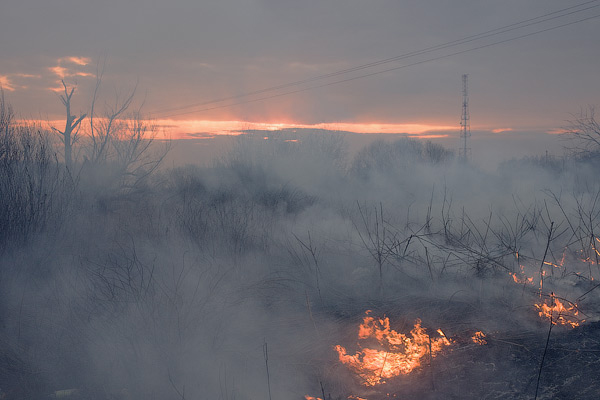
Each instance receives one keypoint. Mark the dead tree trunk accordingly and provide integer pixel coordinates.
(69, 134)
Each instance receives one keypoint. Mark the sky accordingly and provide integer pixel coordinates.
(180, 53)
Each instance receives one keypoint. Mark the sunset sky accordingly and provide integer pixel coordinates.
(185, 55)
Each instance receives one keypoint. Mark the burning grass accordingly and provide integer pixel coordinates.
(559, 314)
(479, 338)
(385, 353)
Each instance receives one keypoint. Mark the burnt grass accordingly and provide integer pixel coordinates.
(506, 367)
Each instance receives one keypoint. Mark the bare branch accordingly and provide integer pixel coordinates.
(584, 133)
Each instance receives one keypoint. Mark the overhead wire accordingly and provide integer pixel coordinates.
(378, 72)
(176, 111)
(464, 40)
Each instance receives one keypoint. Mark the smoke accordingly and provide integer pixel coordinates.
(235, 280)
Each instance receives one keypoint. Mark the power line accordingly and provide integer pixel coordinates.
(492, 32)
(465, 123)
(381, 72)
(165, 113)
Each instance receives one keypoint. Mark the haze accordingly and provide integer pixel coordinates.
(248, 200)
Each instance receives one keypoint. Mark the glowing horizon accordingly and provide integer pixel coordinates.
(185, 129)
(204, 128)
(189, 129)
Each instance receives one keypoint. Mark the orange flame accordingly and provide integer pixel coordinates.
(395, 353)
(523, 280)
(521, 277)
(307, 397)
(560, 264)
(558, 313)
(479, 338)
(552, 264)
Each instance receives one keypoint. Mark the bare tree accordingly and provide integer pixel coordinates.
(31, 185)
(6, 113)
(104, 129)
(133, 148)
(584, 132)
(118, 140)
(122, 138)
(72, 125)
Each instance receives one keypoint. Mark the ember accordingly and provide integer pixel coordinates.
(479, 338)
(395, 353)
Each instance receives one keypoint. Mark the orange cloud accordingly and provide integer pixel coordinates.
(57, 89)
(6, 84)
(500, 130)
(78, 60)
(71, 70)
(411, 129)
(557, 131)
(60, 71)
(181, 129)
(21, 75)
(12, 82)
(429, 136)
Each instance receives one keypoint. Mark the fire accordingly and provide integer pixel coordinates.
(307, 397)
(523, 280)
(558, 313)
(560, 264)
(552, 264)
(587, 258)
(393, 354)
(522, 277)
(479, 338)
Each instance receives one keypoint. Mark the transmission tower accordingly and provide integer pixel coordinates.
(465, 126)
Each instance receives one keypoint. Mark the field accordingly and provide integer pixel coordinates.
(291, 270)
